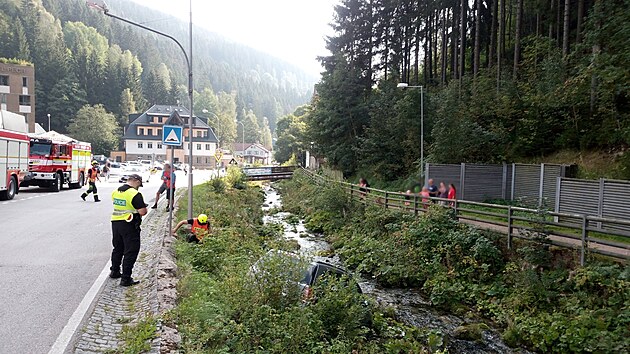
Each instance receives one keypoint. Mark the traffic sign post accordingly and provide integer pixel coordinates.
(172, 135)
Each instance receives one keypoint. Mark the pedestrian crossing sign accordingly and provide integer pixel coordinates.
(172, 135)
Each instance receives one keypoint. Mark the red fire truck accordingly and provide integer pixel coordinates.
(14, 145)
(55, 160)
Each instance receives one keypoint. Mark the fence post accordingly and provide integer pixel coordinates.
(600, 201)
(504, 182)
(386, 200)
(541, 185)
(415, 204)
(513, 181)
(462, 181)
(455, 208)
(558, 194)
(509, 227)
(584, 237)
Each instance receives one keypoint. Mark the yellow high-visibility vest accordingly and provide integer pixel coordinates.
(123, 209)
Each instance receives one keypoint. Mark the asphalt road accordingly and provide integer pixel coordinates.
(53, 246)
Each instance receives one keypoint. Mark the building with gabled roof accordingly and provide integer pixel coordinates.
(252, 153)
(143, 137)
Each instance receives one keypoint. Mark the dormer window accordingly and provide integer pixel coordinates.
(140, 131)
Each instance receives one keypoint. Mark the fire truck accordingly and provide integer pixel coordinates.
(14, 144)
(56, 160)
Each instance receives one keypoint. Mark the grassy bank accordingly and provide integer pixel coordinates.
(223, 309)
(536, 294)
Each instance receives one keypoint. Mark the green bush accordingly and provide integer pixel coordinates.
(541, 304)
(224, 307)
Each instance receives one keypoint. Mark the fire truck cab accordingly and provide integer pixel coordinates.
(55, 160)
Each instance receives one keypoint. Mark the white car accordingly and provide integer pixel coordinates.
(132, 169)
(115, 171)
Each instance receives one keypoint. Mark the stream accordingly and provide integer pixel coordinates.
(409, 305)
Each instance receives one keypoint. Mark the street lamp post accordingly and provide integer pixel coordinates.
(48, 121)
(103, 8)
(243, 146)
(404, 85)
(218, 122)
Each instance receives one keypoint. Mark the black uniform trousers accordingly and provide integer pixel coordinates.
(126, 242)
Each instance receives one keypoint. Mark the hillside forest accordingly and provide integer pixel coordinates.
(83, 58)
(502, 81)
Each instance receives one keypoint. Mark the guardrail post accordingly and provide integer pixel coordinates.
(509, 227)
(584, 237)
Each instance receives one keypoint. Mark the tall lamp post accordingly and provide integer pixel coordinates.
(243, 146)
(218, 122)
(404, 85)
(103, 8)
(48, 121)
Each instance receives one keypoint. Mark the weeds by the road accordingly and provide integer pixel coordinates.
(223, 308)
(535, 292)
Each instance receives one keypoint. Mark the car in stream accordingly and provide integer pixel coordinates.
(297, 270)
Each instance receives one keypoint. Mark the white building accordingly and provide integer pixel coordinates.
(252, 153)
(143, 137)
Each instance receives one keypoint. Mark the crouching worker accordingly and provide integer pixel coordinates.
(200, 227)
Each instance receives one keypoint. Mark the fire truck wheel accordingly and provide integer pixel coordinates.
(11, 190)
(58, 184)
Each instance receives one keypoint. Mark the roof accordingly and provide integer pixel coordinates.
(54, 136)
(175, 114)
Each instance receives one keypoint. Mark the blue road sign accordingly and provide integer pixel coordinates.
(172, 135)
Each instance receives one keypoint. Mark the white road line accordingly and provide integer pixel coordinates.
(64, 338)
(67, 333)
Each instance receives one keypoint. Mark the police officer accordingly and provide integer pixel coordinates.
(129, 207)
(200, 227)
(92, 176)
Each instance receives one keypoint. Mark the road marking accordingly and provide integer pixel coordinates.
(64, 338)
(67, 333)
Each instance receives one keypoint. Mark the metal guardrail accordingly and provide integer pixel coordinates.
(516, 222)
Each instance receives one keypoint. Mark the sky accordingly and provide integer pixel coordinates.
(293, 30)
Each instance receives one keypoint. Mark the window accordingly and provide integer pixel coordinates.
(25, 82)
(149, 131)
(207, 146)
(159, 132)
(199, 133)
(198, 160)
(198, 146)
(149, 145)
(139, 144)
(25, 100)
(4, 80)
(3, 98)
(140, 131)
(159, 146)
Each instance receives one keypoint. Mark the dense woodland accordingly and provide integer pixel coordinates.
(503, 80)
(84, 58)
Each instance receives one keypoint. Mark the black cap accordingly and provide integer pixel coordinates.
(136, 177)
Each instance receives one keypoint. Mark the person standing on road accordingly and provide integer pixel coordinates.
(168, 182)
(129, 207)
(200, 227)
(92, 177)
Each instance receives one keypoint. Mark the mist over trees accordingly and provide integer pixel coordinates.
(503, 79)
(83, 58)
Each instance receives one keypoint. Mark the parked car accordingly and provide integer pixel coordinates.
(115, 171)
(296, 270)
(133, 169)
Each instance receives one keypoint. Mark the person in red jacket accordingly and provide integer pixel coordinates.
(168, 183)
(452, 193)
(200, 227)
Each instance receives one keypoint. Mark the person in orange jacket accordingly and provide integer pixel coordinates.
(200, 227)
